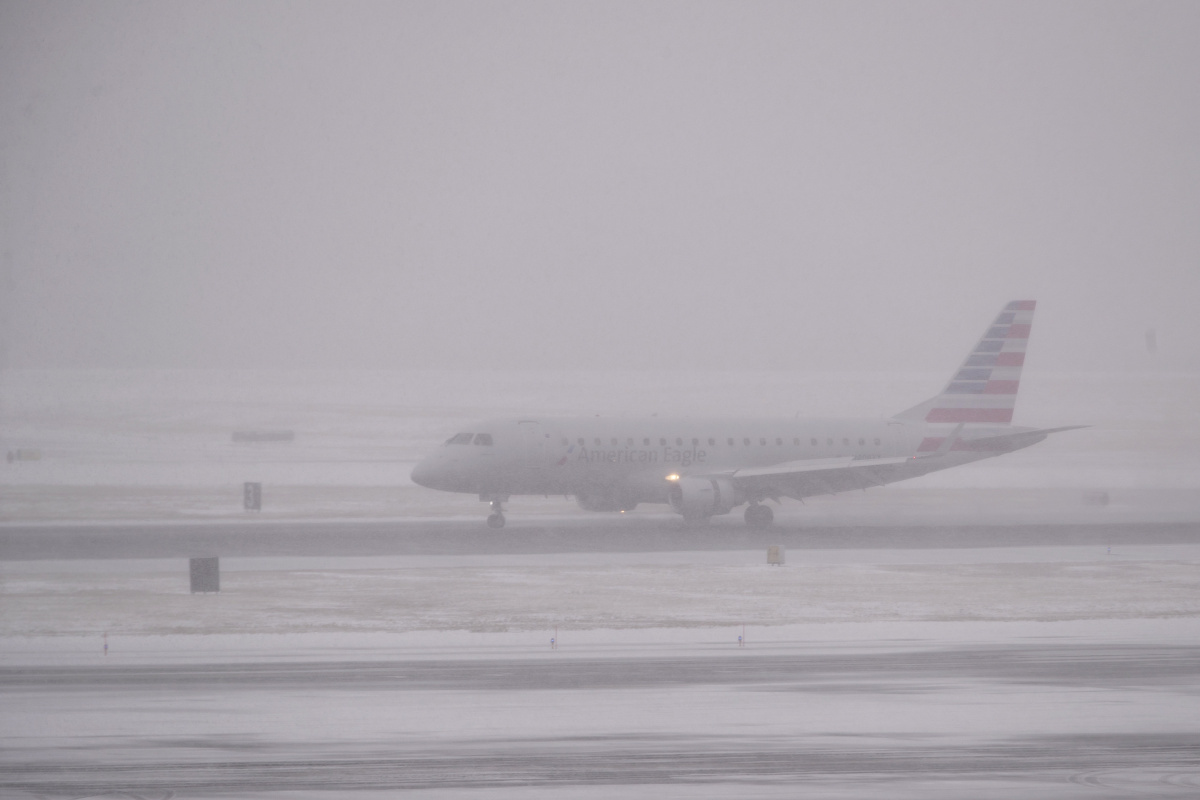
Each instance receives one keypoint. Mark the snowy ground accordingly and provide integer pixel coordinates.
(526, 595)
(1045, 672)
(985, 672)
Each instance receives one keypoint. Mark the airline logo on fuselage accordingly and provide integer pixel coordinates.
(667, 455)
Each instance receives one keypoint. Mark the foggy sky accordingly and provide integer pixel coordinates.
(548, 185)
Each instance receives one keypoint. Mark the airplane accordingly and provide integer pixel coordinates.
(707, 467)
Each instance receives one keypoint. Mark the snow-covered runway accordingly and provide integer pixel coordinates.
(1046, 719)
(902, 718)
(988, 672)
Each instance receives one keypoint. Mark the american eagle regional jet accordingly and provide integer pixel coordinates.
(708, 467)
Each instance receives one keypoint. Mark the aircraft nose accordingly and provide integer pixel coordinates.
(425, 473)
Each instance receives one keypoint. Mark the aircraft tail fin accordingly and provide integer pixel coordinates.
(984, 389)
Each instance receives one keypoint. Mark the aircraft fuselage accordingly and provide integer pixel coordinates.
(706, 467)
(631, 459)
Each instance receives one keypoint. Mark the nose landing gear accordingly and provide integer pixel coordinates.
(496, 520)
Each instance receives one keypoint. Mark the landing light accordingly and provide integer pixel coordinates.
(673, 477)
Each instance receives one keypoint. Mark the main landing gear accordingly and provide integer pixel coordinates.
(758, 515)
(496, 520)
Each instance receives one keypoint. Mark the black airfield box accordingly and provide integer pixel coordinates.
(206, 574)
(252, 496)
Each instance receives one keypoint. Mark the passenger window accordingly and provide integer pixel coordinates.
(796, 441)
(484, 439)
(814, 442)
(461, 438)
(877, 443)
(778, 442)
(581, 441)
(614, 441)
(646, 442)
(829, 442)
(695, 442)
(730, 442)
(566, 441)
(762, 442)
(746, 442)
(629, 442)
(679, 441)
(712, 442)
(845, 442)
(861, 442)
(597, 441)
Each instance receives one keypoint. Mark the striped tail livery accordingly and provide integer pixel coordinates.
(984, 389)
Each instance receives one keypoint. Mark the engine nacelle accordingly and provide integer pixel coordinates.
(703, 497)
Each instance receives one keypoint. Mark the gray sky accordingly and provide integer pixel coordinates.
(783, 185)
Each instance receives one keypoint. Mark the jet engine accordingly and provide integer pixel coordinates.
(696, 498)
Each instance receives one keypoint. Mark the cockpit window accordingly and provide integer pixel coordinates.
(484, 439)
(460, 438)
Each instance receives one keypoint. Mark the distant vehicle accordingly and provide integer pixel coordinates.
(263, 436)
(708, 467)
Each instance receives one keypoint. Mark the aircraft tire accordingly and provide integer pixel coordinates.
(496, 521)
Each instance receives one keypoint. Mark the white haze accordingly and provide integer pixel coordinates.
(793, 186)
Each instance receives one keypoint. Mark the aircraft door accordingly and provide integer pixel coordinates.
(535, 445)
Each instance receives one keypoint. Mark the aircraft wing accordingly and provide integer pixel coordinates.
(814, 465)
(815, 476)
(808, 477)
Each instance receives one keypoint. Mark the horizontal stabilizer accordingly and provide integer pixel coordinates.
(1020, 438)
(996, 444)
